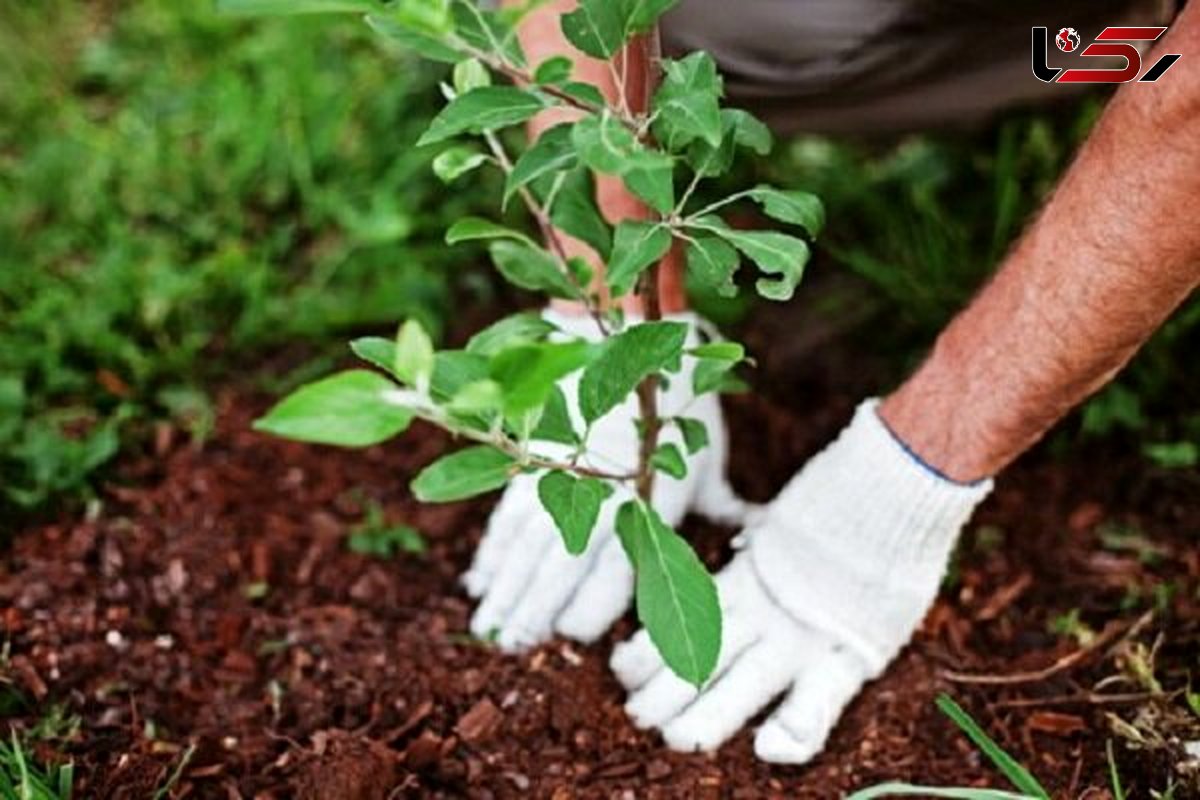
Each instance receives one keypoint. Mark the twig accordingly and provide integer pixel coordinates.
(549, 233)
(1106, 637)
(1081, 698)
(647, 390)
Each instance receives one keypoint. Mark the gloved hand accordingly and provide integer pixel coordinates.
(836, 575)
(530, 586)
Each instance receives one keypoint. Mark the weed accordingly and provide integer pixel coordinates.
(375, 537)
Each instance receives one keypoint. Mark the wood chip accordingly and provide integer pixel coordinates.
(480, 722)
(1055, 723)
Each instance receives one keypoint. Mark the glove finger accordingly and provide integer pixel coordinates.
(666, 695)
(752, 681)
(504, 526)
(511, 580)
(798, 729)
(602, 597)
(554, 581)
(635, 661)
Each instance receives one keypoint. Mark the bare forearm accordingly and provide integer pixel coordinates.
(1115, 251)
(624, 82)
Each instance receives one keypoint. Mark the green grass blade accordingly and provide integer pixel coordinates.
(1117, 789)
(952, 793)
(1009, 766)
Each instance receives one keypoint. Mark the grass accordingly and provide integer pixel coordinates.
(22, 778)
(180, 192)
(924, 221)
(1027, 786)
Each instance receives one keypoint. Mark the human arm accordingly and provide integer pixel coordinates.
(626, 80)
(1114, 252)
(846, 560)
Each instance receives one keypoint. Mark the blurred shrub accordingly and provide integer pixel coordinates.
(177, 189)
(925, 220)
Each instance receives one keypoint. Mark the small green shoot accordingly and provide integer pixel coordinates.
(1017, 775)
(375, 537)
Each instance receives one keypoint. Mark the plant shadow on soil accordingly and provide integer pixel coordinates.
(214, 603)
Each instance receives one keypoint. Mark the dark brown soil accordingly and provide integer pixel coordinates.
(211, 616)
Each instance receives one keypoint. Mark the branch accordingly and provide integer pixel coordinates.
(647, 390)
(549, 233)
(518, 75)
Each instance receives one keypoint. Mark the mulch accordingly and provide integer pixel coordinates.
(210, 621)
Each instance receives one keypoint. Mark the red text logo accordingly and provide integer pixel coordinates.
(1112, 42)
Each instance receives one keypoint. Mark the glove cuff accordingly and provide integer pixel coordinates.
(583, 326)
(864, 524)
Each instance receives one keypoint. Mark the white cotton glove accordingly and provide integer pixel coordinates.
(530, 586)
(837, 574)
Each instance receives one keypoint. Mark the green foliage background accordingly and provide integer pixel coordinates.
(182, 193)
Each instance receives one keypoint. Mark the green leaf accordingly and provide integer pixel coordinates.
(713, 263)
(676, 597)
(949, 793)
(574, 212)
(585, 93)
(641, 15)
(687, 104)
(554, 70)
(414, 355)
(529, 372)
(454, 162)
(483, 109)
(738, 129)
(555, 424)
(667, 459)
(287, 7)
(470, 229)
(470, 73)
(1173, 455)
(636, 246)
(748, 131)
(1017, 775)
(463, 474)
(694, 432)
(552, 152)
(385, 542)
(350, 409)
(712, 372)
(606, 145)
(601, 27)
(624, 360)
(484, 398)
(524, 328)
(531, 268)
(655, 185)
(727, 351)
(774, 253)
(798, 208)
(453, 370)
(488, 31)
(596, 27)
(422, 42)
(574, 505)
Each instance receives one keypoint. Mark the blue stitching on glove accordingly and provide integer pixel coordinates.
(930, 468)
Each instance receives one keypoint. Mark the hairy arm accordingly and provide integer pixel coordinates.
(1114, 252)
(626, 79)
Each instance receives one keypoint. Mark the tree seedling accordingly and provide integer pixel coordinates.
(502, 391)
